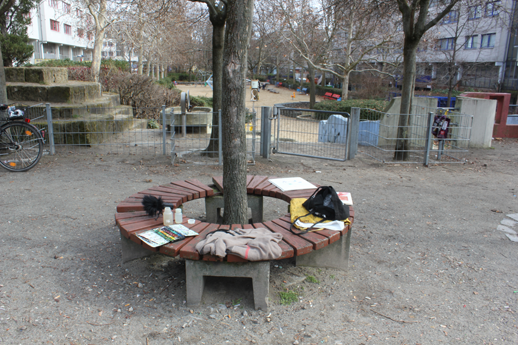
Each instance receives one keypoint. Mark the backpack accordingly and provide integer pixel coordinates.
(326, 204)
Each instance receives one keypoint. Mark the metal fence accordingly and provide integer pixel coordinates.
(381, 139)
(311, 133)
(194, 136)
(103, 130)
(128, 130)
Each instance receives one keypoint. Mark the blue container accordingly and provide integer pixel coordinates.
(368, 133)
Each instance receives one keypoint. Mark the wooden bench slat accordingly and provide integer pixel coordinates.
(208, 191)
(287, 250)
(331, 235)
(299, 245)
(259, 189)
(317, 240)
(189, 187)
(173, 190)
(195, 194)
(256, 180)
(173, 249)
(189, 251)
(127, 229)
(218, 181)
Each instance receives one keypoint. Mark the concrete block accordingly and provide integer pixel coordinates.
(513, 216)
(196, 271)
(214, 204)
(335, 255)
(505, 229)
(132, 251)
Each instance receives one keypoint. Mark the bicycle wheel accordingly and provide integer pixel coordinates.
(21, 146)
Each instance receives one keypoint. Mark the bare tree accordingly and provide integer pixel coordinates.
(336, 37)
(218, 15)
(416, 22)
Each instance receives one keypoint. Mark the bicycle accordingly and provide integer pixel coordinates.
(21, 143)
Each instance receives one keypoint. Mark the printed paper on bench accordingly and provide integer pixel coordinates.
(152, 239)
(291, 183)
(345, 197)
(182, 229)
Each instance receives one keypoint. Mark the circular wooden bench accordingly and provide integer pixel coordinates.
(306, 248)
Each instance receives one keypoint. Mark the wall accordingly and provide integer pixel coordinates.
(483, 111)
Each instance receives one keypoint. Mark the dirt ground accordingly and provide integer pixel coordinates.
(266, 98)
(427, 264)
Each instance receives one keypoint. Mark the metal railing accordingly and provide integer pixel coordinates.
(390, 139)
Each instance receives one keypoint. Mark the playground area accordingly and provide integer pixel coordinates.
(266, 98)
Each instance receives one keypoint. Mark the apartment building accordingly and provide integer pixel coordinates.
(468, 46)
(61, 30)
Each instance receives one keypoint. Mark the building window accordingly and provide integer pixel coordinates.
(48, 49)
(471, 42)
(80, 33)
(53, 3)
(66, 7)
(446, 43)
(488, 41)
(474, 12)
(493, 8)
(68, 29)
(451, 17)
(103, 53)
(110, 53)
(79, 13)
(54, 25)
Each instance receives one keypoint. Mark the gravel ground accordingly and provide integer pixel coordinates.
(427, 264)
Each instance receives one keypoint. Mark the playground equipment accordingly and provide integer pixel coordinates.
(209, 82)
(254, 85)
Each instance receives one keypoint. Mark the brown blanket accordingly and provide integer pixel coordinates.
(250, 244)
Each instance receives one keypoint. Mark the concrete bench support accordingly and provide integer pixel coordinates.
(196, 271)
(214, 204)
(132, 251)
(335, 255)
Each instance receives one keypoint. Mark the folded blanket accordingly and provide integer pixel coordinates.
(250, 244)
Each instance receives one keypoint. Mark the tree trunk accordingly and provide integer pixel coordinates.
(237, 37)
(140, 62)
(218, 43)
(99, 38)
(345, 86)
(407, 91)
(278, 69)
(3, 91)
(312, 87)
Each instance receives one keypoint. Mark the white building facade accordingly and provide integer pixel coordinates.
(60, 30)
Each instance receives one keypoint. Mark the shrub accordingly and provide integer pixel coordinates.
(370, 108)
(201, 101)
(141, 92)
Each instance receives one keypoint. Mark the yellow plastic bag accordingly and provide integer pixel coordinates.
(297, 210)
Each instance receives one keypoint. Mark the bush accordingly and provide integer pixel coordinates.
(179, 76)
(370, 109)
(141, 92)
(201, 101)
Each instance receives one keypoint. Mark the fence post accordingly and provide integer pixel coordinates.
(265, 132)
(354, 128)
(164, 130)
(254, 117)
(220, 139)
(428, 138)
(48, 109)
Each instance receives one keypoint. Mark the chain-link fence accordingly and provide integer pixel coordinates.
(415, 138)
(104, 130)
(190, 138)
(195, 136)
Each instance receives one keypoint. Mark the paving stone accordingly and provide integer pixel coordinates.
(508, 222)
(513, 238)
(513, 216)
(506, 229)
